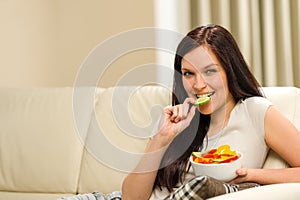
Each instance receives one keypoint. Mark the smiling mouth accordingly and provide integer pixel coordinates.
(205, 95)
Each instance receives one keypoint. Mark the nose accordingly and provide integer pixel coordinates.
(200, 82)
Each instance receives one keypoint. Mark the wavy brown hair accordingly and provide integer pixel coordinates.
(241, 83)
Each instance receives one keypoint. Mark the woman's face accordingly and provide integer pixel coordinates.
(203, 74)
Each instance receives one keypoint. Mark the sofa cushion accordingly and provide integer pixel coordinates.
(32, 196)
(118, 133)
(40, 150)
(287, 100)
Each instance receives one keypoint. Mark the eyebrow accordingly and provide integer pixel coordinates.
(205, 67)
(209, 65)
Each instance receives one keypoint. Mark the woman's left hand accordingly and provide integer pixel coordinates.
(243, 176)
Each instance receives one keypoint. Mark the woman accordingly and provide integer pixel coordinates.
(209, 62)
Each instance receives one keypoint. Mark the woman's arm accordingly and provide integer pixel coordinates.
(139, 184)
(268, 176)
(284, 138)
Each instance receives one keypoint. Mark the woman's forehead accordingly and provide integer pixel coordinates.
(199, 57)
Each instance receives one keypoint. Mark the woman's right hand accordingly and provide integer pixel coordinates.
(174, 120)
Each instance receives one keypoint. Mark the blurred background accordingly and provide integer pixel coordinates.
(45, 42)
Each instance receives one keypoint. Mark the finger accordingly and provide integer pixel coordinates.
(236, 180)
(180, 113)
(185, 110)
(189, 101)
(174, 114)
(186, 106)
(242, 172)
(191, 113)
(242, 175)
(168, 110)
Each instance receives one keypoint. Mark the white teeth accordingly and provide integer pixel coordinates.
(205, 95)
(202, 95)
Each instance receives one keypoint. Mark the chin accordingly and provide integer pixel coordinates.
(206, 109)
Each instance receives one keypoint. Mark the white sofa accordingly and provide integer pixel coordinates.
(58, 142)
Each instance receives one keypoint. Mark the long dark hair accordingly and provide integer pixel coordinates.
(241, 83)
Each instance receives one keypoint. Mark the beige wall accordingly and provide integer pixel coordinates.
(44, 42)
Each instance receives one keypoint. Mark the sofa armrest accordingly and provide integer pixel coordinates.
(286, 191)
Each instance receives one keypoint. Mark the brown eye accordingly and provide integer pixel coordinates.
(187, 74)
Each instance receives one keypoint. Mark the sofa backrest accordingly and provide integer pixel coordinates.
(124, 118)
(40, 150)
(113, 104)
(42, 135)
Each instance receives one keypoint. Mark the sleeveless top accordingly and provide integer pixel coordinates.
(244, 133)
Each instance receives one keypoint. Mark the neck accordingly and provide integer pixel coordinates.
(220, 118)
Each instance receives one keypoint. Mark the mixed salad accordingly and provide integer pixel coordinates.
(222, 154)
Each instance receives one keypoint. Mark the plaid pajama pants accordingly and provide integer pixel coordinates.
(203, 187)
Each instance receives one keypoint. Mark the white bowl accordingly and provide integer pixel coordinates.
(223, 171)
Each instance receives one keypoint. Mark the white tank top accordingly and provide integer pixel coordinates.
(245, 132)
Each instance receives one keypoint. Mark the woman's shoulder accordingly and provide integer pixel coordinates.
(256, 106)
(256, 102)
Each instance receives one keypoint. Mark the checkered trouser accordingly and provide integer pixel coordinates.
(203, 187)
